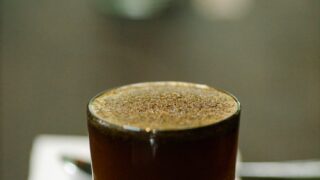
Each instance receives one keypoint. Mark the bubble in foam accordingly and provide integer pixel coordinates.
(163, 106)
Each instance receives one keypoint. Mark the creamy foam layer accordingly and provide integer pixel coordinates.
(163, 106)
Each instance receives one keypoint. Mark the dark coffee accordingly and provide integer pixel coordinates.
(163, 131)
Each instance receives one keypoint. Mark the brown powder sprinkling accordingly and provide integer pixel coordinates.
(163, 105)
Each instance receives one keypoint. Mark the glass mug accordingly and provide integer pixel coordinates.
(128, 153)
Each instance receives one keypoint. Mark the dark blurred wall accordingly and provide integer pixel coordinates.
(58, 54)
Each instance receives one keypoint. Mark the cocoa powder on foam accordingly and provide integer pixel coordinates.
(164, 105)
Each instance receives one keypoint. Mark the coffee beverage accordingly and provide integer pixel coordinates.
(163, 130)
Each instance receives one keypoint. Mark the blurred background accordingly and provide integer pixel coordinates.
(56, 55)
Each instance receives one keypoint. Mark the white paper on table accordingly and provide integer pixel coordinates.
(47, 152)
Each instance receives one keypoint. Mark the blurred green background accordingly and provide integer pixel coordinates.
(55, 55)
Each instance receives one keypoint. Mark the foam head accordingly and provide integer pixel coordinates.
(163, 106)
